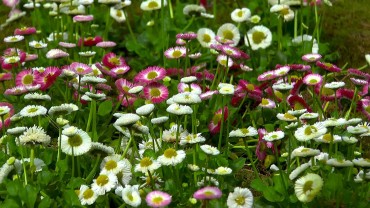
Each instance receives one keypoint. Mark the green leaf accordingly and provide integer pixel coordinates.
(75, 183)
(271, 195)
(70, 198)
(62, 166)
(10, 203)
(278, 183)
(237, 164)
(45, 202)
(13, 187)
(29, 194)
(258, 185)
(44, 177)
(105, 108)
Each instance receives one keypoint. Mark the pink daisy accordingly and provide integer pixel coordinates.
(56, 54)
(83, 18)
(155, 92)
(80, 68)
(127, 99)
(231, 51)
(111, 60)
(175, 52)
(48, 77)
(31, 57)
(17, 90)
(150, 74)
(106, 44)
(25, 78)
(90, 41)
(25, 31)
(328, 66)
(269, 75)
(299, 67)
(297, 102)
(120, 70)
(208, 192)
(312, 79)
(187, 36)
(208, 95)
(11, 3)
(223, 40)
(5, 76)
(364, 106)
(224, 60)
(311, 57)
(359, 73)
(359, 82)
(282, 71)
(67, 45)
(194, 88)
(261, 150)
(158, 199)
(205, 75)
(215, 124)
(174, 72)
(267, 103)
(15, 52)
(123, 85)
(7, 116)
(180, 41)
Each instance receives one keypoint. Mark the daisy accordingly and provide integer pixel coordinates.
(188, 79)
(186, 98)
(34, 135)
(179, 109)
(334, 162)
(106, 44)
(136, 89)
(111, 60)
(192, 139)
(286, 117)
(150, 74)
(114, 164)
(273, 136)
(312, 57)
(147, 164)
(87, 53)
(328, 138)
(193, 10)
(101, 148)
(172, 157)
(149, 145)
(37, 44)
(299, 170)
(328, 66)
(17, 90)
(304, 152)
(268, 75)
(193, 88)
(16, 130)
(33, 110)
(357, 129)
(158, 199)
(222, 171)
(240, 15)
(206, 37)
(258, 37)
(150, 5)
(13, 39)
(86, 195)
(127, 119)
(284, 11)
(312, 79)
(210, 150)
(155, 92)
(104, 183)
(159, 120)
(229, 31)
(306, 116)
(131, 196)
(365, 163)
(56, 54)
(170, 135)
(25, 31)
(208, 192)
(215, 124)
(145, 109)
(78, 144)
(307, 187)
(117, 14)
(80, 68)
(240, 198)
(175, 52)
(267, 103)
(244, 132)
(63, 109)
(6, 168)
(25, 78)
(308, 132)
(334, 85)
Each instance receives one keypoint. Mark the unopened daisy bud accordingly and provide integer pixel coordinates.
(285, 154)
(184, 185)
(357, 153)
(150, 23)
(273, 167)
(167, 79)
(11, 161)
(192, 200)
(188, 79)
(255, 19)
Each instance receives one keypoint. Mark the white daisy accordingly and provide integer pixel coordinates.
(244, 132)
(147, 164)
(307, 187)
(334, 85)
(286, 117)
(308, 116)
(349, 140)
(357, 129)
(223, 171)
(308, 132)
(206, 37)
(273, 136)
(114, 164)
(192, 139)
(104, 183)
(229, 31)
(227, 89)
(240, 198)
(4, 110)
(86, 195)
(365, 163)
(298, 170)
(145, 145)
(339, 162)
(78, 144)
(179, 109)
(145, 109)
(193, 167)
(16, 130)
(188, 79)
(63, 109)
(240, 15)
(102, 148)
(208, 179)
(34, 135)
(33, 110)
(172, 157)
(304, 152)
(6, 169)
(136, 89)
(258, 37)
(335, 122)
(36, 96)
(131, 196)
(127, 119)
(159, 120)
(186, 98)
(208, 149)
(149, 5)
(170, 134)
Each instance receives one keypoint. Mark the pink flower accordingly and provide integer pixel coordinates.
(106, 44)
(364, 106)
(80, 68)
(158, 199)
(123, 85)
(25, 78)
(48, 77)
(17, 90)
(25, 31)
(261, 150)
(269, 75)
(127, 99)
(6, 117)
(175, 52)
(90, 41)
(120, 70)
(297, 102)
(5, 76)
(83, 18)
(56, 54)
(215, 124)
(311, 57)
(328, 66)
(187, 36)
(312, 79)
(155, 92)
(150, 74)
(67, 45)
(208, 192)
(31, 57)
(111, 60)
(11, 3)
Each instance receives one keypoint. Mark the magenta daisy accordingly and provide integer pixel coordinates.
(80, 68)
(269, 75)
(208, 192)
(25, 31)
(5, 121)
(312, 79)
(48, 77)
(208, 95)
(18, 90)
(150, 74)
(187, 36)
(120, 70)
(31, 57)
(83, 18)
(106, 44)
(215, 125)
(231, 51)
(5, 76)
(67, 45)
(25, 78)
(111, 60)
(158, 199)
(359, 82)
(364, 106)
(267, 103)
(312, 57)
(180, 41)
(123, 85)
(175, 52)
(282, 71)
(328, 66)
(155, 92)
(127, 99)
(194, 88)
(56, 53)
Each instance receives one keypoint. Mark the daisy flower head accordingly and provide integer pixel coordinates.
(308, 132)
(304, 152)
(268, 75)
(244, 132)
(33, 110)
(299, 170)
(306, 116)
(206, 37)
(37, 44)
(179, 109)
(127, 119)
(193, 10)
(210, 150)
(105, 182)
(187, 36)
(208, 192)
(328, 66)
(56, 54)
(312, 79)
(284, 11)
(286, 117)
(258, 37)
(80, 68)
(159, 120)
(311, 57)
(114, 164)
(63, 109)
(224, 60)
(147, 164)
(359, 129)
(175, 52)
(340, 163)
(362, 162)
(13, 39)
(155, 92)
(267, 103)
(307, 187)
(158, 199)
(83, 18)
(335, 122)
(172, 157)
(145, 109)
(150, 74)
(186, 98)
(111, 60)
(131, 196)
(334, 85)
(240, 15)
(87, 196)
(192, 139)
(136, 89)
(34, 135)
(240, 198)
(78, 144)
(188, 80)
(193, 88)
(223, 171)
(273, 136)
(229, 31)
(150, 5)
(117, 14)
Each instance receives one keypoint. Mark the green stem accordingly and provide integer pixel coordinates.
(222, 124)
(129, 28)
(93, 171)
(250, 158)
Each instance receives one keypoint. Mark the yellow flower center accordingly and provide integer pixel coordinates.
(206, 38)
(152, 75)
(244, 131)
(146, 162)
(102, 180)
(169, 153)
(28, 79)
(88, 194)
(258, 37)
(155, 92)
(176, 54)
(327, 137)
(153, 5)
(119, 13)
(240, 13)
(157, 200)
(32, 110)
(284, 11)
(75, 140)
(289, 116)
(114, 60)
(313, 81)
(307, 186)
(110, 165)
(228, 34)
(264, 101)
(216, 118)
(310, 130)
(250, 87)
(240, 200)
